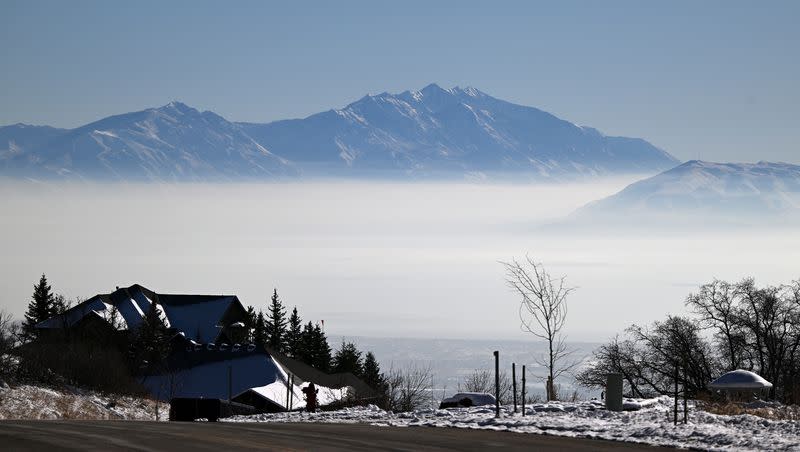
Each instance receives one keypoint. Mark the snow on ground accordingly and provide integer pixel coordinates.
(34, 402)
(647, 421)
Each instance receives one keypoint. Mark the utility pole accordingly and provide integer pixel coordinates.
(514, 384)
(496, 383)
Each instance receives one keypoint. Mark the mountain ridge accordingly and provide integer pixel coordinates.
(433, 132)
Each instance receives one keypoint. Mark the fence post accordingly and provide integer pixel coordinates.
(523, 389)
(675, 411)
(514, 384)
(685, 403)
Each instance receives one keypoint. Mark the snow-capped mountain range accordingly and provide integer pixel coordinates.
(696, 189)
(460, 131)
(173, 142)
(434, 132)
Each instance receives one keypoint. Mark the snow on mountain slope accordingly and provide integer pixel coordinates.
(456, 131)
(738, 191)
(173, 142)
(449, 133)
(17, 138)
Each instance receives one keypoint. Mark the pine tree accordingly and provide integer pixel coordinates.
(41, 307)
(294, 335)
(314, 349)
(372, 373)
(348, 359)
(276, 324)
(250, 323)
(305, 351)
(322, 351)
(150, 344)
(260, 330)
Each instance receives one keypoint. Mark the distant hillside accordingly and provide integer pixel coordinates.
(738, 192)
(173, 142)
(433, 133)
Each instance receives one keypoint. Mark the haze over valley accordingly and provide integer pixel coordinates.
(372, 258)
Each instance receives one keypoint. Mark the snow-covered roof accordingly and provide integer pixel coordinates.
(740, 379)
(197, 316)
(209, 378)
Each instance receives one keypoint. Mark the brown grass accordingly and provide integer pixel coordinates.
(778, 413)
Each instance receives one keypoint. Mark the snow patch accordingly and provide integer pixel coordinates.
(649, 422)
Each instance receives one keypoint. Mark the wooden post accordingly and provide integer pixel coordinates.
(514, 384)
(288, 390)
(523, 389)
(291, 391)
(675, 411)
(496, 383)
(685, 403)
(230, 382)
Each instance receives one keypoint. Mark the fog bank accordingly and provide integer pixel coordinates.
(371, 259)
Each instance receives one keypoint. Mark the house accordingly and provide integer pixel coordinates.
(199, 318)
(208, 357)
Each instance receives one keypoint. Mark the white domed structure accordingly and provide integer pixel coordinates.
(741, 383)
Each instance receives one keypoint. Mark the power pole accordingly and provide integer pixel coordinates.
(496, 383)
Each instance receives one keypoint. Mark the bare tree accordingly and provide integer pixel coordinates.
(8, 340)
(408, 389)
(715, 304)
(482, 380)
(543, 312)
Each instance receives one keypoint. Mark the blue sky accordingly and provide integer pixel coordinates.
(710, 80)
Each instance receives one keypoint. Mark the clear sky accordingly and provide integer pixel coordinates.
(710, 80)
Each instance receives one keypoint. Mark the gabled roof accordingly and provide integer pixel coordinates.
(197, 316)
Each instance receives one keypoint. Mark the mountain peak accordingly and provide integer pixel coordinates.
(179, 107)
(469, 91)
(432, 88)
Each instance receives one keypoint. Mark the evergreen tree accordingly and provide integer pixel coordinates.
(322, 351)
(41, 307)
(150, 345)
(305, 351)
(294, 335)
(250, 323)
(276, 324)
(314, 349)
(260, 330)
(348, 359)
(372, 373)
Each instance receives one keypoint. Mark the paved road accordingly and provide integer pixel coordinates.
(51, 436)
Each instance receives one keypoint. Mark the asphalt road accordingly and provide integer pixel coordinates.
(51, 436)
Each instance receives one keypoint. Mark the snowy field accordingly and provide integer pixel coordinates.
(34, 402)
(644, 421)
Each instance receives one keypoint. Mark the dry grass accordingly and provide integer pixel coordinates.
(33, 402)
(777, 412)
